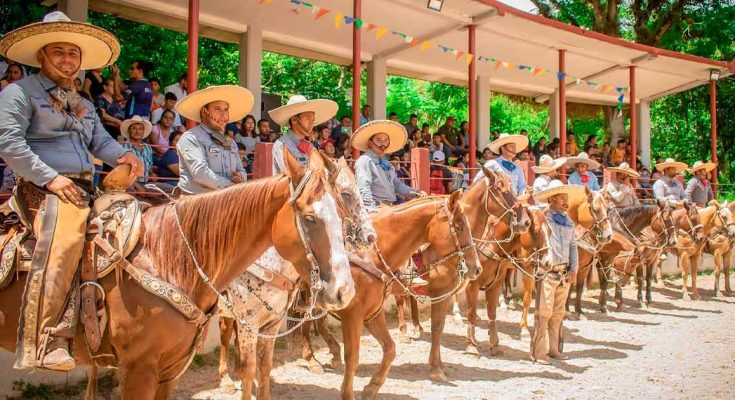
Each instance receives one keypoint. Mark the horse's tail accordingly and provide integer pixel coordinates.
(91, 393)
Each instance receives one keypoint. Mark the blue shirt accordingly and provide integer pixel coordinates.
(138, 98)
(576, 179)
(145, 154)
(562, 242)
(516, 175)
(39, 142)
(377, 185)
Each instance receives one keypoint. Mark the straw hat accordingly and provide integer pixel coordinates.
(708, 166)
(624, 168)
(99, 47)
(323, 110)
(671, 163)
(576, 192)
(395, 131)
(237, 97)
(520, 141)
(583, 158)
(135, 119)
(548, 164)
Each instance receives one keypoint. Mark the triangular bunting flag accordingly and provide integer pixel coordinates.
(415, 41)
(297, 2)
(505, 64)
(338, 19)
(511, 65)
(445, 49)
(408, 39)
(358, 23)
(522, 67)
(459, 55)
(370, 27)
(307, 4)
(468, 58)
(425, 46)
(381, 32)
(560, 75)
(320, 13)
(498, 64)
(579, 81)
(348, 20)
(538, 71)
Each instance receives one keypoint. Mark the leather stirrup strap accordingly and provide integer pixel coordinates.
(92, 332)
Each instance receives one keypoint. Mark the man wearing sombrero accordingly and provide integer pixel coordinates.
(582, 175)
(699, 188)
(134, 131)
(547, 170)
(48, 136)
(620, 190)
(668, 188)
(552, 288)
(208, 158)
(508, 146)
(376, 177)
(300, 116)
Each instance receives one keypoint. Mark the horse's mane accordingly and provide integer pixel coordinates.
(211, 223)
(633, 218)
(707, 216)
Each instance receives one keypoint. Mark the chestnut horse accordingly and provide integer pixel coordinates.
(727, 256)
(719, 240)
(274, 283)
(690, 242)
(214, 235)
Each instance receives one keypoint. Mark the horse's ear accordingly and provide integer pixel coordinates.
(294, 170)
(454, 199)
(316, 160)
(589, 194)
(489, 174)
(329, 165)
(342, 163)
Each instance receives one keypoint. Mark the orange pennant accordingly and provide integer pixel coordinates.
(415, 41)
(498, 64)
(320, 13)
(459, 55)
(370, 27)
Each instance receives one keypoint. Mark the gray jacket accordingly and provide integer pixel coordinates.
(204, 164)
(669, 189)
(698, 193)
(563, 242)
(39, 142)
(289, 142)
(377, 185)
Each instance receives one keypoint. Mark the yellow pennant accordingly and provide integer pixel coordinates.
(338, 20)
(380, 32)
(425, 46)
(469, 58)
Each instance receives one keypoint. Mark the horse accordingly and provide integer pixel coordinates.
(690, 242)
(719, 228)
(727, 255)
(188, 252)
(272, 285)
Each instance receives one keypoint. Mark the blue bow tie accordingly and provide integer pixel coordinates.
(561, 219)
(508, 165)
(384, 163)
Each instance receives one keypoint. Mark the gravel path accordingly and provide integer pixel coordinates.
(672, 350)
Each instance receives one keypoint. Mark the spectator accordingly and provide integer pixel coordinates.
(590, 145)
(451, 138)
(441, 177)
(135, 130)
(572, 147)
(14, 73)
(487, 155)
(264, 131)
(365, 114)
(617, 156)
(327, 146)
(425, 135)
(605, 154)
(412, 124)
(464, 130)
(344, 147)
(168, 164)
(324, 133)
(273, 136)
(496, 134)
(158, 98)
(233, 129)
(314, 136)
(179, 88)
(243, 153)
(168, 104)
(110, 109)
(436, 144)
(645, 179)
(393, 116)
(138, 93)
(78, 88)
(402, 172)
(161, 132)
(415, 139)
(539, 148)
(553, 149)
(94, 83)
(343, 129)
(247, 135)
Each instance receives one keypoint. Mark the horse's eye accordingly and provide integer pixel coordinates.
(309, 218)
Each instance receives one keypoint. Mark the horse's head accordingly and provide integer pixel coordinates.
(540, 234)
(357, 225)
(450, 237)
(593, 216)
(316, 246)
(501, 203)
(663, 223)
(724, 218)
(690, 222)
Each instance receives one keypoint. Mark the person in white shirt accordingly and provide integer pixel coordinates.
(547, 170)
(168, 104)
(179, 88)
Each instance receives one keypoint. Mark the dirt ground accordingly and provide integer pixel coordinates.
(670, 350)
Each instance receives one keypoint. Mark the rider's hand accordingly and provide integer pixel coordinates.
(421, 193)
(572, 276)
(237, 177)
(136, 164)
(66, 189)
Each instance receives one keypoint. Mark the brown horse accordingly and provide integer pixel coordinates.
(149, 341)
(727, 256)
(718, 242)
(688, 249)
(263, 294)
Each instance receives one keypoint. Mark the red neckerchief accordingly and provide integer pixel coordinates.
(705, 182)
(585, 178)
(304, 147)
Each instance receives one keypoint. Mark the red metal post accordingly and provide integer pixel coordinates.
(472, 84)
(192, 52)
(420, 175)
(263, 165)
(562, 109)
(633, 121)
(356, 71)
(713, 131)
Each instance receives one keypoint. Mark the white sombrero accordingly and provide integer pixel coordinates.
(395, 131)
(708, 166)
(671, 163)
(583, 158)
(624, 168)
(520, 141)
(239, 99)
(323, 110)
(99, 47)
(135, 119)
(548, 164)
(576, 192)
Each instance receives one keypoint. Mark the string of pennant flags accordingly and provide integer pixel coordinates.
(341, 20)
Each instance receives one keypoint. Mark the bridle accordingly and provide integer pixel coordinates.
(725, 225)
(484, 241)
(596, 227)
(692, 228)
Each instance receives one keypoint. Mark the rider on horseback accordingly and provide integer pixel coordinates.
(547, 170)
(668, 187)
(209, 159)
(699, 188)
(508, 146)
(582, 175)
(620, 189)
(48, 136)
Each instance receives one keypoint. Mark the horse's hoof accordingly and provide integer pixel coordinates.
(438, 377)
(336, 364)
(686, 297)
(639, 304)
(620, 307)
(582, 316)
(404, 338)
(572, 316)
(603, 310)
(416, 333)
(472, 350)
(238, 385)
(315, 367)
(369, 392)
(495, 351)
(696, 296)
(525, 334)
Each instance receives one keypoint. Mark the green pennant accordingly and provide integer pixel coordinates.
(358, 23)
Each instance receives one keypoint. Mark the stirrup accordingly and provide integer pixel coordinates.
(418, 281)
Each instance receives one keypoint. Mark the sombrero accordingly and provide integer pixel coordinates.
(624, 168)
(671, 163)
(237, 97)
(583, 158)
(520, 141)
(323, 110)
(548, 164)
(99, 47)
(576, 192)
(708, 166)
(135, 119)
(395, 131)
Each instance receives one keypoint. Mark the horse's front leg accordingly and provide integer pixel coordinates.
(334, 349)
(351, 330)
(247, 345)
(471, 293)
(226, 328)
(527, 297)
(307, 348)
(726, 260)
(650, 267)
(139, 380)
(603, 288)
(402, 329)
(639, 282)
(579, 289)
(438, 317)
(684, 266)
(694, 270)
(491, 298)
(265, 364)
(717, 255)
(379, 329)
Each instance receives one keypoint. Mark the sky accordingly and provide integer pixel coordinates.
(524, 5)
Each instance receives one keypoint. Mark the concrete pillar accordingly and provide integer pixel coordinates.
(644, 132)
(76, 10)
(554, 115)
(250, 69)
(377, 82)
(483, 111)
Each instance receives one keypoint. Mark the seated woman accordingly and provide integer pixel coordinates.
(168, 163)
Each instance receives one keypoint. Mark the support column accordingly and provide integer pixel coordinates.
(377, 82)
(76, 10)
(250, 68)
(483, 111)
(562, 110)
(644, 132)
(192, 58)
(713, 131)
(356, 70)
(633, 121)
(472, 85)
(554, 115)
